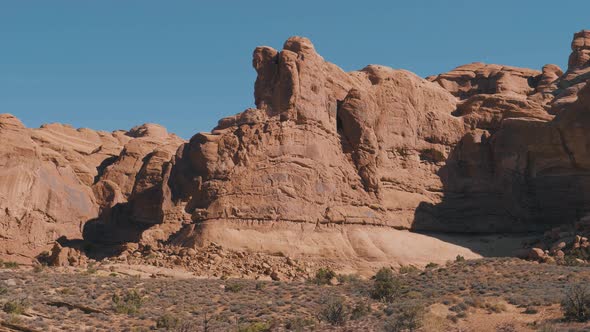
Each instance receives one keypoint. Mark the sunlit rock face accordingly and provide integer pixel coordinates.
(329, 163)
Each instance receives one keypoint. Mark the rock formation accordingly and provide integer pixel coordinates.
(327, 164)
(55, 178)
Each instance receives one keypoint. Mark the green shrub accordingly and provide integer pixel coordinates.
(408, 318)
(333, 310)
(385, 286)
(576, 304)
(233, 288)
(168, 322)
(459, 259)
(16, 307)
(323, 276)
(129, 303)
(3, 290)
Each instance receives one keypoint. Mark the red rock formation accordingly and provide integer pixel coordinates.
(327, 164)
(48, 176)
(578, 72)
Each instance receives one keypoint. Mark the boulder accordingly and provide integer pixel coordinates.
(536, 254)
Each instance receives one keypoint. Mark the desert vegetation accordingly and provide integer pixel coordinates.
(523, 295)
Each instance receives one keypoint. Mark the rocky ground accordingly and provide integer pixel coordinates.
(212, 261)
(473, 295)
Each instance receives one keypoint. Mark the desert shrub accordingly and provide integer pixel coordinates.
(348, 278)
(11, 265)
(431, 266)
(3, 290)
(91, 269)
(459, 259)
(461, 307)
(408, 269)
(495, 307)
(299, 324)
(385, 285)
(531, 311)
(475, 302)
(256, 327)
(128, 303)
(168, 322)
(234, 288)
(260, 285)
(413, 295)
(408, 318)
(576, 304)
(360, 310)
(16, 307)
(323, 276)
(333, 310)
(38, 268)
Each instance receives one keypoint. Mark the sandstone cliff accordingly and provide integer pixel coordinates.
(56, 178)
(328, 164)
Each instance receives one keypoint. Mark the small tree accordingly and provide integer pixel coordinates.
(386, 286)
(576, 304)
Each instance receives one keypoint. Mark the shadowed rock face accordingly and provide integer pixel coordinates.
(326, 164)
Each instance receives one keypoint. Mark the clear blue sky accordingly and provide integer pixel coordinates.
(113, 64)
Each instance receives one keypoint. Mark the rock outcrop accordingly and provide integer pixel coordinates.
(56, 178)
(328, 163)
(578, 73)
(323, 151)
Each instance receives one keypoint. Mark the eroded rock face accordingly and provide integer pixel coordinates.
(50, 180)
(326, 164)
(323, 146)
(382, 147)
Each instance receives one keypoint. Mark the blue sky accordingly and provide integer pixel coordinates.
(113, 64)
